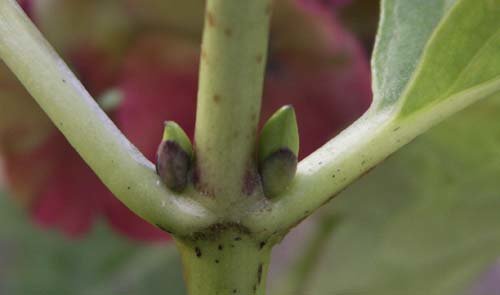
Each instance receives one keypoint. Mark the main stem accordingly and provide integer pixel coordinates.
(232, 66)
(228, 262)
(226, 258)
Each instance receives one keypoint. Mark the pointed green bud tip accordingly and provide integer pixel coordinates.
(174, 157)
(173, 132)
(278, 151)
(279, 132)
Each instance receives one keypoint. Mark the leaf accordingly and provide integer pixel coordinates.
(431, 60)
(404, 29)
(429, 51)
(424, 222)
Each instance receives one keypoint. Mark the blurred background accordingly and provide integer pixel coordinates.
(423, 222)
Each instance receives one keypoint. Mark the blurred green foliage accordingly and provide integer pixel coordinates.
(425, 222)
(39, 262)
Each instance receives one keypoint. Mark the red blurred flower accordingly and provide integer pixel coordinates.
(319, 68)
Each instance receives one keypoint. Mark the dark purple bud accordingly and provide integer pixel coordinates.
(278, 171)
(174, 157)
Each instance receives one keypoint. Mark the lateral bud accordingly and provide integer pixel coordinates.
(278, 151)
(174, 157)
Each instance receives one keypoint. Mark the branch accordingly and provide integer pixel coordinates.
(124, 170)
(359, 148)
(232, 68)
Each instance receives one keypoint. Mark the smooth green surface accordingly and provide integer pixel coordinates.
(34, 261)
(428, 51)
(279, 132)
(463, 53)
(405, 26)
(425, 221)
(232, 66)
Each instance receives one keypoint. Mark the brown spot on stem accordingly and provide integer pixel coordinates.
(216, 98)
(197, 251)
(259, 58)
(228, 32)
(259, 274)
(269, 9)
(200, 185)
(251, 181)
(204, 55)
(211, 19)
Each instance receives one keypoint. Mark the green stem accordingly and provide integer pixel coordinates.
(359, 148)
(230, 262)
(124, 170)
(232, 68)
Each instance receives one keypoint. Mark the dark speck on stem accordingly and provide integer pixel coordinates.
(197, 251)
(259, 273)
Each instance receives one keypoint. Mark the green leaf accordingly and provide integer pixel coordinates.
(435, 51)
(424, 222)
(35, 261)
(404, 29)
